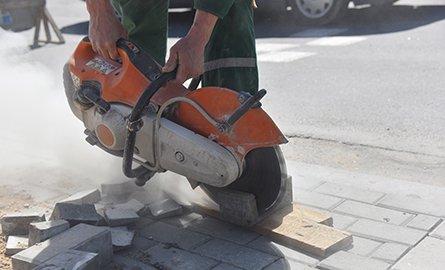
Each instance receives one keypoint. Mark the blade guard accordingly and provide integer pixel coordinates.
(253, 130)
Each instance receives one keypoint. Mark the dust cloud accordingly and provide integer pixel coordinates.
(41, 142)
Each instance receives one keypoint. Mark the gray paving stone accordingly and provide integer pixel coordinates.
(142, 243)
(386, 232)
(349, 192)
(241, 256)
(368, 211)
(180, 237)
(305, 182)
(390, 252)
(427, 255)
(121, 238)
(225, 266)
(342, 222)
(316, 199)
(165, 208)
(120, 217)
(183, 221)
(283, 264)
(167, 257)
(265, 245)
(91, 196)
(223, 230)
(439, 232)
(18, 223)
(15, 244)
(76, 213)
(40, 231)
(121, 262)
(81, 237)
(131, 204)
(413, 205)
(362, 246)
(424, 222)
(347, 261)
(71, 260)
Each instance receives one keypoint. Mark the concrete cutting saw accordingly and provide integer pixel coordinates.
(217, 138)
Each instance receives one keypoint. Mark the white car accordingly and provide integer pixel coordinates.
(307, 12)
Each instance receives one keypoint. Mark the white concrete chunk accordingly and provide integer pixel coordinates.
(84, 197)
(165, 208)
(412, 204)
(81, 237)
(349, 192)
(390, 252)
(386, 232)
(428, 255)
(120, 217)
(368, 211)
(15, 244)
(17, 223)
(41, 231)
(439, 232)
(315, 199)
(71, 260)
(347, 261)
(424, 222)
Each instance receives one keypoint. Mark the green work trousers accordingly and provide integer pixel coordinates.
(230, 56)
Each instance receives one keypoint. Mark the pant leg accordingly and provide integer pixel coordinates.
(147, 24)
(230, 54)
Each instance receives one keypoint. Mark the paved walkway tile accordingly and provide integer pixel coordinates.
(412, 205)
(362, 246)
(166, 233)
(342, 222)
(223, 230)
(439, 232)
(305, 182)
(390, 252)
(386, 232)
(428, 255)
(348, 192)
(424, 222)
(265, 245)
(127, 263)
(234, 254)
(225, 266)
(315, 199)
(368, 211)
(347, 261)
(167, 257)
(283, 264)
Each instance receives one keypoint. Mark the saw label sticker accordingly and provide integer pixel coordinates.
(101, 66)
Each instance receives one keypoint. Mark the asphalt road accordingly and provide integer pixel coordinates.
(365, 93)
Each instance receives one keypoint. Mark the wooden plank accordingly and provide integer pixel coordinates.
(296, 228)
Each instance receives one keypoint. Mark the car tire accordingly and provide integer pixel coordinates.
(317, 12)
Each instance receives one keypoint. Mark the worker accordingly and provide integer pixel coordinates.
(220, 44)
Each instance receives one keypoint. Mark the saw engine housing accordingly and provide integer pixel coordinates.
(131, 109)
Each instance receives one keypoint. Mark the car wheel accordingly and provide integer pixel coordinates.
(317, 12)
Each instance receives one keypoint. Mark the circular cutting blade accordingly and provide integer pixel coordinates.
(263, 176)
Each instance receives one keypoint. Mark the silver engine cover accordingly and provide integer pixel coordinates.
(171, 146)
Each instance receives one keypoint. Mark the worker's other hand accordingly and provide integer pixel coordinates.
(187, 55)
(105, 29)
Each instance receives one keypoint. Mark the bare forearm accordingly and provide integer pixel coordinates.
(95, 7)
(202, 26)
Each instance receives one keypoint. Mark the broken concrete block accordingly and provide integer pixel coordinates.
(119, 189)
(121, 238)
(71, 260)
(165, 208)
(15, 244)
(132, 204)
(82, 237)
(18, 223)
(120, 217)
(75, 213)
(84, 197)
(40, 231)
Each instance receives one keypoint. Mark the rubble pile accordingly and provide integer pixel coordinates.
(83, 231)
